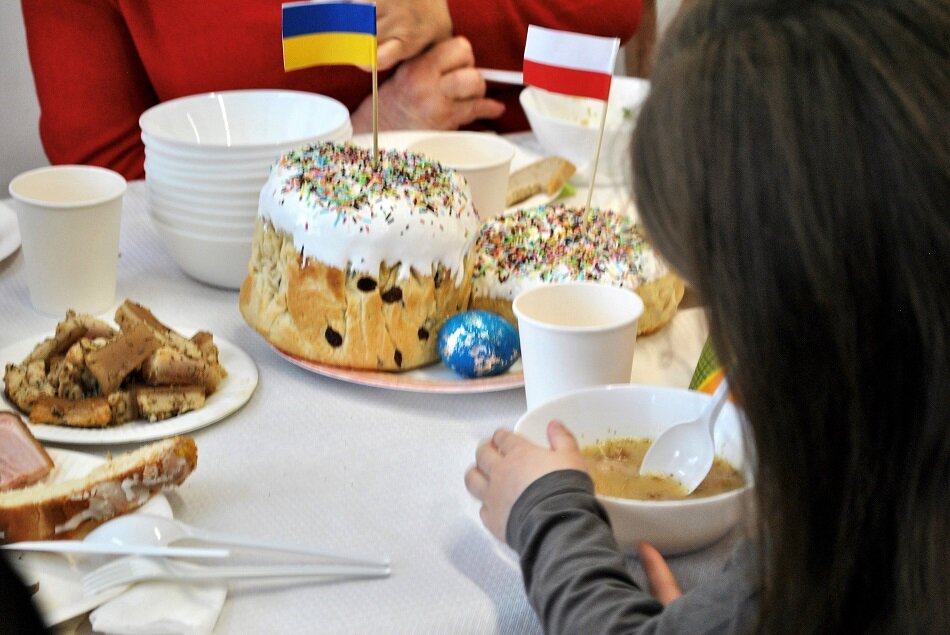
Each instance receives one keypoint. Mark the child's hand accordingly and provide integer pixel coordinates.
(507, 464)
(663, 585)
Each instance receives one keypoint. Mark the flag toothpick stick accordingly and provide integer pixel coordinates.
(600, 141)
(375, 117)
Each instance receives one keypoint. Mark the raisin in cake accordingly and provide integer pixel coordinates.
(357, 262)
(535, 246)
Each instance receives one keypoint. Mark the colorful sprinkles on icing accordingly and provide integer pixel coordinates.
(345, 180)
(556, 243)
(345, 208)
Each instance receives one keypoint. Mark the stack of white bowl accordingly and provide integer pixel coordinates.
(208, 156)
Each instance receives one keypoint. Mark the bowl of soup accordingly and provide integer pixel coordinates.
(614, 426)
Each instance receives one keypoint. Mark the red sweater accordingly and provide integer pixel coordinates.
(98, 64)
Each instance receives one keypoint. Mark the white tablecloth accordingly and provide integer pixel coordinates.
(317, 461)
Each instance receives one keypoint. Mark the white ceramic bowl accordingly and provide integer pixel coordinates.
(201, 227)
(243, 121)
(244, 188)
(184, 212)
(221, 201)
(218, 215)
(215, 159)
(569, 126)
(208, 214)
(630, 410)
(220, 262)
(157, 166)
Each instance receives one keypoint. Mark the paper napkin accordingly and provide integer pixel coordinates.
(161, 608)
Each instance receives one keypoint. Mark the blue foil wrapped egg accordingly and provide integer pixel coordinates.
(478, 344)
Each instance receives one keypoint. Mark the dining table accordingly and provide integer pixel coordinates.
(323, 461)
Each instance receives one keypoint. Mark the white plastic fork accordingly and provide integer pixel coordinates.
(146, 529)
(135, 569)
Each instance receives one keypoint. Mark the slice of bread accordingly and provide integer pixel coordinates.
(70, 509)
(547, 175)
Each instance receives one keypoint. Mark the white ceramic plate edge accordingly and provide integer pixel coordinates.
(435, 378)
(665, 358)
(233, 393)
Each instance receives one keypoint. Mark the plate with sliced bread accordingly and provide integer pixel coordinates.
(91, 383)
(539, 181)
(56, 577)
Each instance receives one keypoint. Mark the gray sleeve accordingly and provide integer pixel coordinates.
(577, 582)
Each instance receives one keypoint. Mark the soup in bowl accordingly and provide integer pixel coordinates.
(603, 417)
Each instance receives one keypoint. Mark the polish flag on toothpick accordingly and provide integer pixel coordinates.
(572, 64)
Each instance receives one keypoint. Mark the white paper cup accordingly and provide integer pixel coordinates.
(483, 158)
(69, 218)
(575, 335)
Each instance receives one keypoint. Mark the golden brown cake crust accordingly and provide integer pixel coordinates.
(346, 317)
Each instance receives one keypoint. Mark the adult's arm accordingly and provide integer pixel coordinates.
(89, 81)
(577, 581)
(498, 30)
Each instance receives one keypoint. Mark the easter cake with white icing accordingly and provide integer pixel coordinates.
(357, 261)
(530, 247)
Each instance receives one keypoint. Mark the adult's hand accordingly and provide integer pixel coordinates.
(404, 28)
(508, 463)
(439, 89)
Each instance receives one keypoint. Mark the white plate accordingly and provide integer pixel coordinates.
(9, 231)
(400, 140)
(665, 358)
(233, 393)
(60, 595)
(437, 378)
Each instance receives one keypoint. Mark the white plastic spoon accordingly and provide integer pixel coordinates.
(686, 450)
(145, 529)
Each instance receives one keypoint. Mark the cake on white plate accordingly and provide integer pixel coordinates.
(358, 261)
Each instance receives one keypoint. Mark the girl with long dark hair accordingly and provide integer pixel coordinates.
(793, 163)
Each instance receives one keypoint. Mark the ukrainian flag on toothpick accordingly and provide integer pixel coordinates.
(318, 33)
